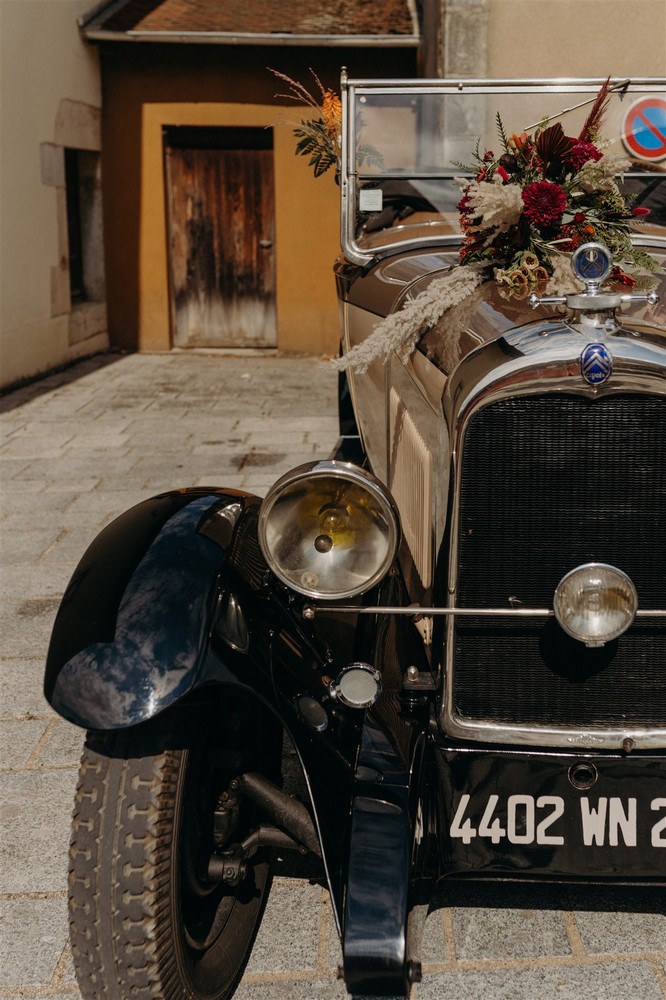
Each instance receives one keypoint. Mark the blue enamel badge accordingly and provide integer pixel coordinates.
(596, 364)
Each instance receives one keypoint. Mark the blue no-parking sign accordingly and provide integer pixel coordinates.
(644, 129)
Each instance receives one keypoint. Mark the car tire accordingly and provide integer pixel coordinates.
(145, 921)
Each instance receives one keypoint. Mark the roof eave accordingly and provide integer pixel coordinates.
(93, 34)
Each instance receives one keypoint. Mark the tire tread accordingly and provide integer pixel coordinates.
(133, 797)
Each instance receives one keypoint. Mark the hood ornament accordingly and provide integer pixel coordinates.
(592, 264)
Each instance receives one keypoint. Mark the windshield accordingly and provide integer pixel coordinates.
(404, 145)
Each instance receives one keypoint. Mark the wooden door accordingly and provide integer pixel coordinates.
(220, 218)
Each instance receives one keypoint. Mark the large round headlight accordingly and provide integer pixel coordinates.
(329, 530)
(595, 603)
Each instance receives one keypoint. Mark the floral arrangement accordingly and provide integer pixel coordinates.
(528, 209)
(319, 138)
(522, 214)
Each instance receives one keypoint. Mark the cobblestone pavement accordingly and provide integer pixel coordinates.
(77, 449)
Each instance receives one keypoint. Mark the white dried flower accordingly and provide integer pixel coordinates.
(400, 331)
(599, 175)
(499, 205)
(562, 281)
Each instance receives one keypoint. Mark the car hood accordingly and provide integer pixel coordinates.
(487, 314)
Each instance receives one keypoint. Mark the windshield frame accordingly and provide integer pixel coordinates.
(352, 89)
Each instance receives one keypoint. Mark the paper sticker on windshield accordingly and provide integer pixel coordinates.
(370, 200)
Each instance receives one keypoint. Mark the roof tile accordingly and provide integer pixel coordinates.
(297, 17)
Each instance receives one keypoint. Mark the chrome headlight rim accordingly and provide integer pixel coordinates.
(587, 569)
(309, 472)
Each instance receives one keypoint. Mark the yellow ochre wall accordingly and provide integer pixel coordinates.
(306, 229)
(147, 87)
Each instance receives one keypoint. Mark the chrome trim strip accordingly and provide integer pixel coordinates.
(415, 610)
(491, 84)
(551, 736)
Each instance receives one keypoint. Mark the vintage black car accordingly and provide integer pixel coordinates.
(459, 619)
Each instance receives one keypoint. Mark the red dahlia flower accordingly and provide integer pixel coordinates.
(544, 203)
(581, 153)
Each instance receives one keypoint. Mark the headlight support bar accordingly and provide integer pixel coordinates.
(310, 611)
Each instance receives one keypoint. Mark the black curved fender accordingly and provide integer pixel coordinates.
(132, 631)
(142, 623)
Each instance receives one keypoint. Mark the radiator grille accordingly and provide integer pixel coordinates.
(547, 483)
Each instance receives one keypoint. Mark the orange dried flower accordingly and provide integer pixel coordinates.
(518, 141)
(331, 110)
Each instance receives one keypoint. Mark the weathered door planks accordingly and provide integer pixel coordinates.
(220, 214)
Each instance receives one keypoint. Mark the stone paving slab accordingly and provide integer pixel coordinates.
(77, 449)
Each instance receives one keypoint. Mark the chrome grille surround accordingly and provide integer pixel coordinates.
(538, 359)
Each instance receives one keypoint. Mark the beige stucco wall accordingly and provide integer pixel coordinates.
(553, 38)
(50, 99)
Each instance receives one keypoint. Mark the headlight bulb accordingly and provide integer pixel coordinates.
(333, 517)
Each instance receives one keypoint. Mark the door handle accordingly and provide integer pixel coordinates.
(265, 244)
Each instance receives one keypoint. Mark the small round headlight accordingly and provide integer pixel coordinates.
(329, 530)
(595, 603)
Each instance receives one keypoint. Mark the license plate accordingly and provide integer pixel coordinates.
(552, 821)
(521, 813)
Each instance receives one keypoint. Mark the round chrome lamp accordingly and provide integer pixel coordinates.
(358, 685)
(595, 603)
(329, 530)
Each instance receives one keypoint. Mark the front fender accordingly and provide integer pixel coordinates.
(132, 632)
(142, 624)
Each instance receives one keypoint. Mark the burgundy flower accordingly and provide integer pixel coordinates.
(544, 203)
(581, 153)
(553, 145)
(621, 277)
(463, 204)
(509, 162)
